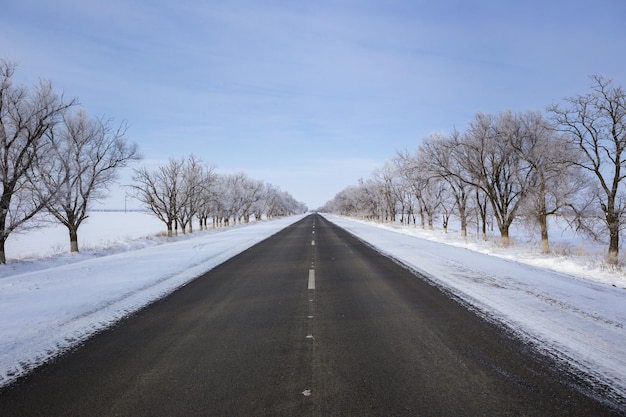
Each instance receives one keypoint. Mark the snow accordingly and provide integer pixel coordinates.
(51, 301)
(575, 316)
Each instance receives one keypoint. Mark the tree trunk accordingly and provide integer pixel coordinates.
(543, 224)
(73, 239)
(613, 239)
(504, 235)
(463, 224)
(543, 216)
(169, 229)
(3, 258)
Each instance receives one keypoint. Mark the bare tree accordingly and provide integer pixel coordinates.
(206, 196)
(251, 193)
(25, 119)
(403, 165)
(429, 193)
(190, 195)
(437, 155)
(159, 191)
(85, 155)
(389, 187)
(481, 209)
(489, 157)
(231, 196)
(596, 123)
(556, 180)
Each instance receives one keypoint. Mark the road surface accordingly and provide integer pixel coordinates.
(310, 322)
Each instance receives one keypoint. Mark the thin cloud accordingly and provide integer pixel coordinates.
(264, 84)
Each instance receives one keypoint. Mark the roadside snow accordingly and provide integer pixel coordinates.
(51, 304)
(572, 318)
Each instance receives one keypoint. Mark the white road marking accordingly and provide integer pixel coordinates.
(306, 392)
(312, 243)
(311, 279)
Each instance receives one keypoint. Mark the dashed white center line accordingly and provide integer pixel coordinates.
(311, 279)
(312, 243)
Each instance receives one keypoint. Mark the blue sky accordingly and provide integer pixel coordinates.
(309, 96)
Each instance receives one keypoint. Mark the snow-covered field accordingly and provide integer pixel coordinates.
(571, 309)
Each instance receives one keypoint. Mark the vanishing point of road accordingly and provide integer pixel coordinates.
(310, 322)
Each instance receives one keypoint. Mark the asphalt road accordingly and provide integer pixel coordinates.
(310, 322)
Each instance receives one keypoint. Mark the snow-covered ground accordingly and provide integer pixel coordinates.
(576, 315)
(571, 309)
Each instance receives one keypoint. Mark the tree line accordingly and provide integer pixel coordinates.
(56, 160)
(186, 189)
(567, 161)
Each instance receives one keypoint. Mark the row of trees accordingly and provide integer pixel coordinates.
(53, 157)
(56, 161)
(567, 162)
(186, 189)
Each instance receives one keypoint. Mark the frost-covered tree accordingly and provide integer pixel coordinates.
(252, 192)
(190, 195)
(422, 184)
(26, 116)
(595, 123)
(84, 157)
(159, 190)
(556, 180)
(491, 162)
(206, 196)
(437, 153)
(389, 189)
(230, 197)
